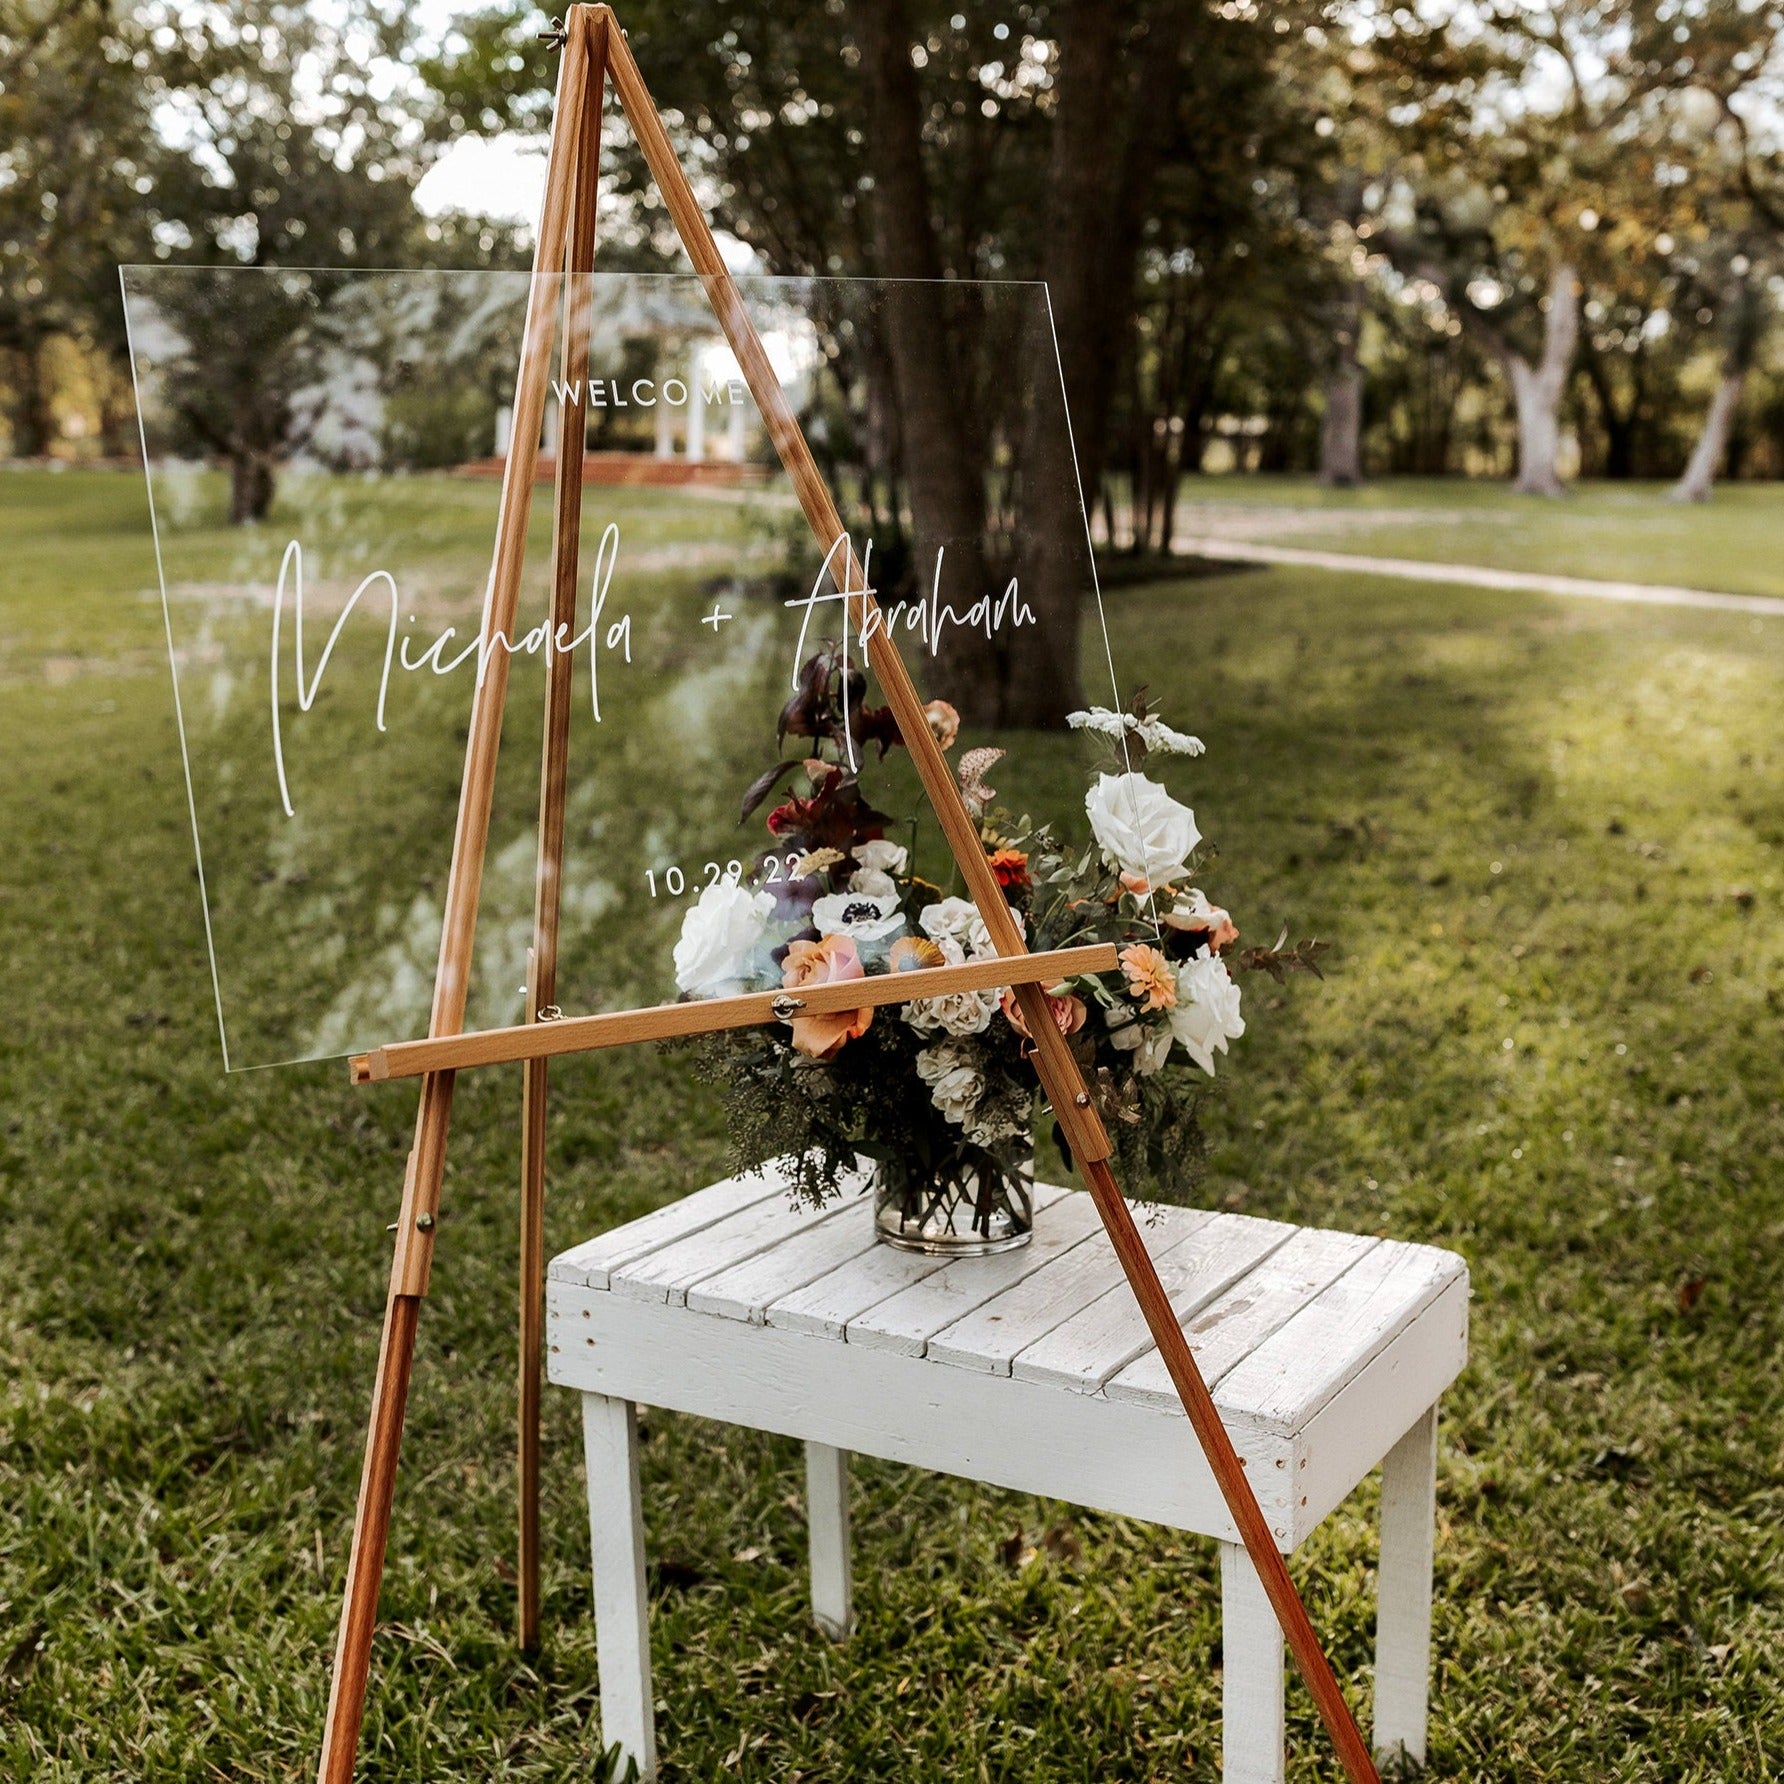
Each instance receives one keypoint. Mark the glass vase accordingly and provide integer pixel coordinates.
(968, 1207)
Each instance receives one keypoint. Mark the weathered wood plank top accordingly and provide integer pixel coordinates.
(1280, 1317)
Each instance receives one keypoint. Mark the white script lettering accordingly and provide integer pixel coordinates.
(615, 636)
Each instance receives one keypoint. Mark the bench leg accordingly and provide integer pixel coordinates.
(1403, 1603)
(1252, 1732)
(622, 1611)
(827, 1511)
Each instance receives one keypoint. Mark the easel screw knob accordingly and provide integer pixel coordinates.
(424, 1222)
(1082, 1099)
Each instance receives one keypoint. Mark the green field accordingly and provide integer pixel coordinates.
(1610, 531)
(1546, 841)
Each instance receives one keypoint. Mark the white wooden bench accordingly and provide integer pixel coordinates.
(1326, 1351)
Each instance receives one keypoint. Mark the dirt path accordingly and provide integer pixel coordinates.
(1646, 594)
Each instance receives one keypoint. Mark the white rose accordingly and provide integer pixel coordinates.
(958, 920)
(1140, 828)
(949, 919)
(872, 883)
(718, 936)
(1150, 1043)
(862, 916)
(882, 857)
(955, 1082)
(961, 1012)
(1207, 1013)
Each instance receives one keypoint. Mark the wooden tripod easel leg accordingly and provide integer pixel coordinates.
(1059, 1073)
(553, 791)
(427, 1162)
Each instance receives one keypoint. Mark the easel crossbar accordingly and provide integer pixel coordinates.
(661, 1022)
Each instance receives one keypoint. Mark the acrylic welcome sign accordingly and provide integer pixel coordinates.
(324, 456)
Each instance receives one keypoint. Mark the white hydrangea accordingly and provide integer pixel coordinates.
(1151, 731)
(1149, 1043)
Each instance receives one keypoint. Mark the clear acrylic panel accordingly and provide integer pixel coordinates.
(324, 456)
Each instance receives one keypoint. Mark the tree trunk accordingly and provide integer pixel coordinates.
(1537, 389)
(37, 404)
(1173, 468)
(1104, 156)
(250, 488)
(1619, 447)
(1744, 326)
(943, 475)
(117, 417)
(1620, 425)
(1341, 431)
(1079, 353)
(1706, 455)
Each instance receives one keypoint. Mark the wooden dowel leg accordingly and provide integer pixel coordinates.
(532, 1335)
(371, 1530)
(1229, 1475)
(553, 791)
(470, 840)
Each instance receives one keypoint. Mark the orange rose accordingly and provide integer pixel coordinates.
(1192, 914)
(1068, 1013)
(944, 722)
(830, 961)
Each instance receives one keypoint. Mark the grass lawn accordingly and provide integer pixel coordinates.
(1620, 532)
(1547, 843)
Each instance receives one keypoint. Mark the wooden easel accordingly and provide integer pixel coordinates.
(596, 53)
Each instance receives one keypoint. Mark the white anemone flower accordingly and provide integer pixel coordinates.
(861, 916)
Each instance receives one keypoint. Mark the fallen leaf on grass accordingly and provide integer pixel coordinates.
(1690, 1293)
(1061, 1544)
(1014, 1551)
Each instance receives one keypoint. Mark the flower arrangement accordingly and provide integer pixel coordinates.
(940, 1093)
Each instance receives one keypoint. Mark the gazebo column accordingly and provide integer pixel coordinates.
(696, 412)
